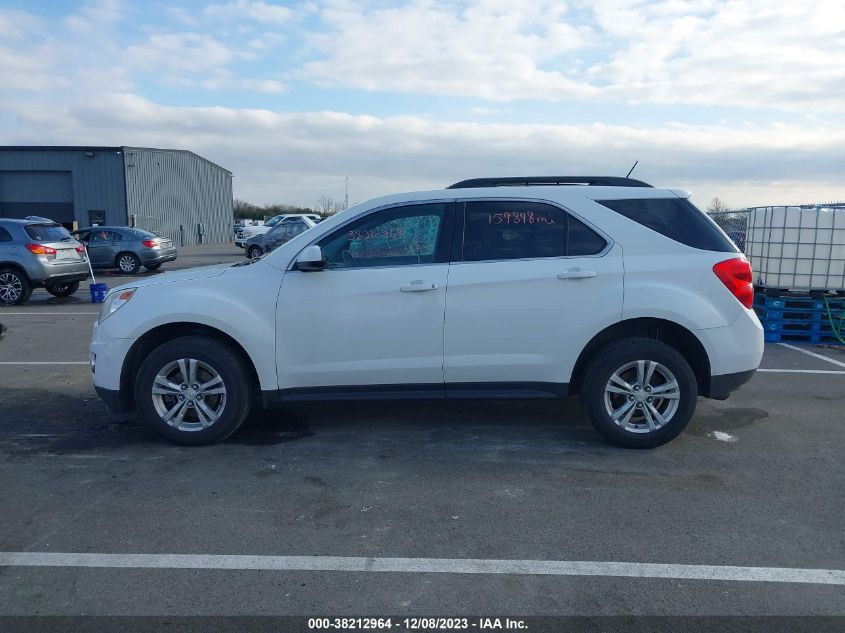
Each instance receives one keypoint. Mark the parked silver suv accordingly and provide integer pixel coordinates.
(37, 252)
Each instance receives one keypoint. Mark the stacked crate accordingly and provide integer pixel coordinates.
(795, 317)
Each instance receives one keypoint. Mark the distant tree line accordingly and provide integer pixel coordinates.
(243, 210)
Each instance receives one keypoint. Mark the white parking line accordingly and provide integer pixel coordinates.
(425, 565)
(803, 371)
(71, 362)
(813, 354)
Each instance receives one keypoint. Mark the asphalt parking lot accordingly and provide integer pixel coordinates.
(504, 495)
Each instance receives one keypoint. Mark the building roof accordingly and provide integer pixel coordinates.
(102, 148)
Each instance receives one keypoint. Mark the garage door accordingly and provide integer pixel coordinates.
(45, 193)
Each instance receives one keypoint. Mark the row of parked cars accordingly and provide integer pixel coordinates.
(39, 253)
(261, 239)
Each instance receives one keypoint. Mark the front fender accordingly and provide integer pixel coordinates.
(240, 304)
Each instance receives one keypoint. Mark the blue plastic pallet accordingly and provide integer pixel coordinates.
(798, 302)
(792, 335)
(796, 326)
(793, 315)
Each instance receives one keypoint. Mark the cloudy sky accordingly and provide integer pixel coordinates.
(741, 100)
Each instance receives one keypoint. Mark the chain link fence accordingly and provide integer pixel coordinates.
(734, 223)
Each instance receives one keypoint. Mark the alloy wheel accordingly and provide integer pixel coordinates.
(189, 395)
(642, 396)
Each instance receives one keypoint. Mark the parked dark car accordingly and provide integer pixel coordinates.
(125, 248)
(282, 232)
(37, 252)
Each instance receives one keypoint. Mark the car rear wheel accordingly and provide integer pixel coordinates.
(152, 266)
(14, 287)
(62, 290)
(193, 390)
(639, 393)
(128, 263)
(254, 252)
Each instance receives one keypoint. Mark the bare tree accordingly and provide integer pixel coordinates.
(717, 206)
(326, 205)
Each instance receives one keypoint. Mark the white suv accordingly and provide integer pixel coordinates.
(624, 294)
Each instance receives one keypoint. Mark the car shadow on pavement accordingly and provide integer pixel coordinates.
(41, 422)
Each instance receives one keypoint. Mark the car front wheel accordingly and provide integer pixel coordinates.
(639, 393)
(254, 252)
(193, 390)
(62, 290)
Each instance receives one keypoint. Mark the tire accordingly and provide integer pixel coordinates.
(128, 263)
(213, 359)
(152, 266)
(254, 252)
(602, 397)
(62, 290)
(14, 287)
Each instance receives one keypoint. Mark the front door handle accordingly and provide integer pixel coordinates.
(576, 273)
(418, 285)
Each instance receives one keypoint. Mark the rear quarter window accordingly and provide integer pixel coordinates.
(676, 218)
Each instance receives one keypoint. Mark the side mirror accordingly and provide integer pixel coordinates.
(310, 259)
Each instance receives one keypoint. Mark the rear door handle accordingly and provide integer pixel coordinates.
(418, 285)
(576, 273)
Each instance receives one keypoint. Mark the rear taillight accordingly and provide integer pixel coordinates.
(150, 243)
(40, 249)
(736, 275)
(80, 249)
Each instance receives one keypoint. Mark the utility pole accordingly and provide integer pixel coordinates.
(346, 197)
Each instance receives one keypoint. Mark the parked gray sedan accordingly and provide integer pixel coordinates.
(126, 248)
(38, 252)
(282, 232)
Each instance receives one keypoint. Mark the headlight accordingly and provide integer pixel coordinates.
(114, 301)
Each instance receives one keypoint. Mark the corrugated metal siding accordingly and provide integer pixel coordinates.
(171, 192)
(97, 182)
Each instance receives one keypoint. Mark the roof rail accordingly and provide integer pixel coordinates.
(537, 181)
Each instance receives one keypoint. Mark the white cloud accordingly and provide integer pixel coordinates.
(297, 156)
(250, 9)
(492, 49)
(762, 54)
(94, 15)
(226, 80)
(16, 24)
(768, 53)
(173, 52)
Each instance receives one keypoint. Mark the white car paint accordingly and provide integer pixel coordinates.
(511, 321)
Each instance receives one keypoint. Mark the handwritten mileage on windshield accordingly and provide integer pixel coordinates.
(519, 217)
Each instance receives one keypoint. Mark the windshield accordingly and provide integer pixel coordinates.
(47, 232)
(274, 221)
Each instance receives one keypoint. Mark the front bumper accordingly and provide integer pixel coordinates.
(113, 400)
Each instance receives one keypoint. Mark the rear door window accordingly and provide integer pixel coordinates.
(4, 235)
(676, 218)
(505, 229)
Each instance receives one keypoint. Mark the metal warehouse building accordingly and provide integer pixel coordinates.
(172, 192)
